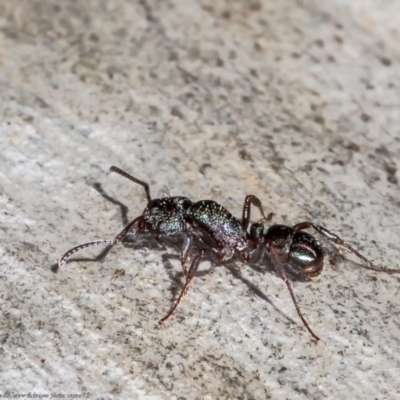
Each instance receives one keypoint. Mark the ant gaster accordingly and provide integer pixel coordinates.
(290, 249)
(205, 219)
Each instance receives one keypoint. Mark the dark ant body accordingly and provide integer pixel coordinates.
(290, 249)
(170, 216)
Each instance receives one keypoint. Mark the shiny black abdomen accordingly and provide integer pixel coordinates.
(306, 258)
(300, 252)
(218, 224)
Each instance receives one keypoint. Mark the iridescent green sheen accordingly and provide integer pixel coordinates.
(218, 223)
(166, 215)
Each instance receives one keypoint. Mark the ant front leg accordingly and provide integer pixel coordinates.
(248, 202)
(189, 279)
(340, 242)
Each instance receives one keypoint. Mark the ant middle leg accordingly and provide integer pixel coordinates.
(189, 279)
(332, 237)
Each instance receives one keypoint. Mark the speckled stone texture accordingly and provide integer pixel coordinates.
(296, 102)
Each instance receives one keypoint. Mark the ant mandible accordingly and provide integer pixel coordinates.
(290, 249)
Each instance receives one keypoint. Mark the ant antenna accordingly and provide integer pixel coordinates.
(63, 260)
(132, 178)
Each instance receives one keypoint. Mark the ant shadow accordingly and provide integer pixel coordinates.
(175, 243)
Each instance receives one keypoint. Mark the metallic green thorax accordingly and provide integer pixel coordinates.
(218, 223)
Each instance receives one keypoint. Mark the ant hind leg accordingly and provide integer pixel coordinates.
(279, 267)
(256, 202)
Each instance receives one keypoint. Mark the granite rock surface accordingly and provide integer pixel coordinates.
(296, 102)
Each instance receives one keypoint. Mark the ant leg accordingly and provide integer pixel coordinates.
(225, 254)
(132, 178)
(255, 235)
(189, 279)
(277, 262)
(63, 260)
(248, 202)
(337, 240)
(185, 252)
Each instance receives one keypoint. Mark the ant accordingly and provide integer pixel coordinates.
(206, 219)
(291, 250)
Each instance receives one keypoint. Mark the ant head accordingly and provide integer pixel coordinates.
(165, 216)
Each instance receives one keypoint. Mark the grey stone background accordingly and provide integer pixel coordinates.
(296, 102)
